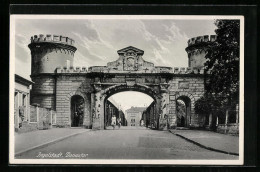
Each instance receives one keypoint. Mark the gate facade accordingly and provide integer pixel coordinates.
(56, 85)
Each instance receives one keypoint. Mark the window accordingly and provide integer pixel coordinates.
(15, 99)
(24, 100)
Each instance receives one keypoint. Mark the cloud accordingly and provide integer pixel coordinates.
(21, 46)
(97, 41)
(162, 38)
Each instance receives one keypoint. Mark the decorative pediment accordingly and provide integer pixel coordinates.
(130, 51)
(130, 60)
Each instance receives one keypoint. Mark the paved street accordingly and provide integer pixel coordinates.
(126, 143)
(26, 141)
(223, 142)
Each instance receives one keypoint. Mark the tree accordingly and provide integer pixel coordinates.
(222, 68)
(223, 62)
(202, 106)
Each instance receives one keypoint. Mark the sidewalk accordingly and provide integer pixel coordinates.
(35, 139)
(211, 140)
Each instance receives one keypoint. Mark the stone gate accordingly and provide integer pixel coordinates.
(55, 85)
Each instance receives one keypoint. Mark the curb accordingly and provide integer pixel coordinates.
(203, 146)
(47, 143)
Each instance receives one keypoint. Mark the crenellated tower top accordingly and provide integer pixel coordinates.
(197, 49)
(52, 38)
(58, 40)
(49, 51)
(202, 39)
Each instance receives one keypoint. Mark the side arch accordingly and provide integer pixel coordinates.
(77, 109)
(189, 100)
(187, 95)
(87, 121)
(73, 93)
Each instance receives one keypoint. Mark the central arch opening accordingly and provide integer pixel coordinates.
(128, 108)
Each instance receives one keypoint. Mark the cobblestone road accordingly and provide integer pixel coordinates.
(126, 143)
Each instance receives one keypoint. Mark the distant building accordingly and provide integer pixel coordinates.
(134, 115)
(21, 101)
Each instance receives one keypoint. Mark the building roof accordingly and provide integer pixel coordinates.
(22, 80)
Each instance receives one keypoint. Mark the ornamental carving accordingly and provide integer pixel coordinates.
(97, 87)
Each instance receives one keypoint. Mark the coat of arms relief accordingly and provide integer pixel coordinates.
(130, 60)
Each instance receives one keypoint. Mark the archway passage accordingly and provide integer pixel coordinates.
(77, 111)
(129, 107)
(183, 106)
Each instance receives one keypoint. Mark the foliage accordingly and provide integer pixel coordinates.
(223, 62)
(202, 106)
(208, 104)
(222, 82)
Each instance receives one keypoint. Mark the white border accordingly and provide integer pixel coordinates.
(12, 160)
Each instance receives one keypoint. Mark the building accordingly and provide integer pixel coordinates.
(148, 116)
(113, 109)
(134, 115)
(21, 101)
(70, 91)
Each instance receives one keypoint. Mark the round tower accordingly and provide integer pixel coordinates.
(50, 51)
(47, 53)
(197, 50)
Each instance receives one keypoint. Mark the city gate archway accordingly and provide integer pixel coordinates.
(125, 88)
(130, 72)
(57, 79)
(102, 96)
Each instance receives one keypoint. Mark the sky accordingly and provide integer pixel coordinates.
(127, 99)
(97, 40)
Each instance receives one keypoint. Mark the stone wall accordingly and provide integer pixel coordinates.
(231, 128)
(44, 118)
(43, 91)
(39, 118)
(180, 85)
(68, 86)
(33, 114)
(191, 87)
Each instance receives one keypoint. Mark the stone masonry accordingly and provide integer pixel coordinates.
(57, 81)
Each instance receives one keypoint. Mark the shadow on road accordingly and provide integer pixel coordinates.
(127, 128)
